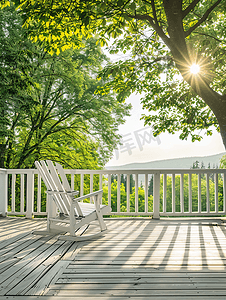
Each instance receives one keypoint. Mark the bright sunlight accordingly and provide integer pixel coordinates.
(194, 69)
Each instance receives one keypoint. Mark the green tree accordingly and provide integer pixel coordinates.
(15, 79)
(195, 165)
(57, 114)
(165, 38)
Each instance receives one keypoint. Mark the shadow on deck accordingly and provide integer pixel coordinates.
(136, 258)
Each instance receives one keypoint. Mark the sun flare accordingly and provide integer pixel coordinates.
(194, 69)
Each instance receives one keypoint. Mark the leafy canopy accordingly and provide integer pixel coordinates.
(163, 38)
(49, 106)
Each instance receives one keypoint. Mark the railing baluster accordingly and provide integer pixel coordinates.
(13, 192)
(109, 190)
(173, 193)
(128, 193)
(156, 194)
(101, 184)
(81, 185)
(100, 181)
(216, 191)
(91, 187)
(182, 192)
(190, 192)
(136, 193)
(146, 194)
(207, 192)
(199, 193)
(30, 195)
(91, 183)
(118, 192)
(39, 194)
(164, 192)
(22, 193)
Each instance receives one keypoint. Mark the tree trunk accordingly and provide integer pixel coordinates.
(183, 59)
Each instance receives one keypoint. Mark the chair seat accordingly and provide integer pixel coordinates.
(88, 208)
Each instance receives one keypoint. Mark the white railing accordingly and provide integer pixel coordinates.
(159, 192)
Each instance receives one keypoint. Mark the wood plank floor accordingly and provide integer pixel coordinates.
(136, 258)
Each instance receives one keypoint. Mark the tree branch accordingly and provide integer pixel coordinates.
(204, 17)
(154, 12)
(212, 37)
(156, 27)
(189, 8)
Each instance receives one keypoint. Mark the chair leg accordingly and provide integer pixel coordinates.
(99, 214)
(48, 230)
(103, 226)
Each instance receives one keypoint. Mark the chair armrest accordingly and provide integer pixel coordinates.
(70, 193)
(87, 196)
(56, 192)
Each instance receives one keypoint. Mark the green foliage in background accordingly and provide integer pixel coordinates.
(123, 198)
(169, 208)
(49, 108)
(194, 182)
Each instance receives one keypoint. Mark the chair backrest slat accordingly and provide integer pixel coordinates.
(60, 187)
(51, 186)
(63, 177)
(62, 206)
(67, 187)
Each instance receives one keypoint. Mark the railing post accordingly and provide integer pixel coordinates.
(30, 195)
(156, 195)
(3, 192)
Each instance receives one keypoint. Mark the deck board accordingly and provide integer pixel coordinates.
(138, 258)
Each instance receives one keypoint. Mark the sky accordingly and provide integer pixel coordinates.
(139, 145)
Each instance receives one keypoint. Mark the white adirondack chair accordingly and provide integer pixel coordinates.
(72, 214)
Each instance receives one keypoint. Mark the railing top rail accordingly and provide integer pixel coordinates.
(21, 171)
(132, 171)
(147, 171)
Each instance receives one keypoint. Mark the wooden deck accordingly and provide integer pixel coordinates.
(136, 259)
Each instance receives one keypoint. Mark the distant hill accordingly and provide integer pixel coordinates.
(175, 163)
